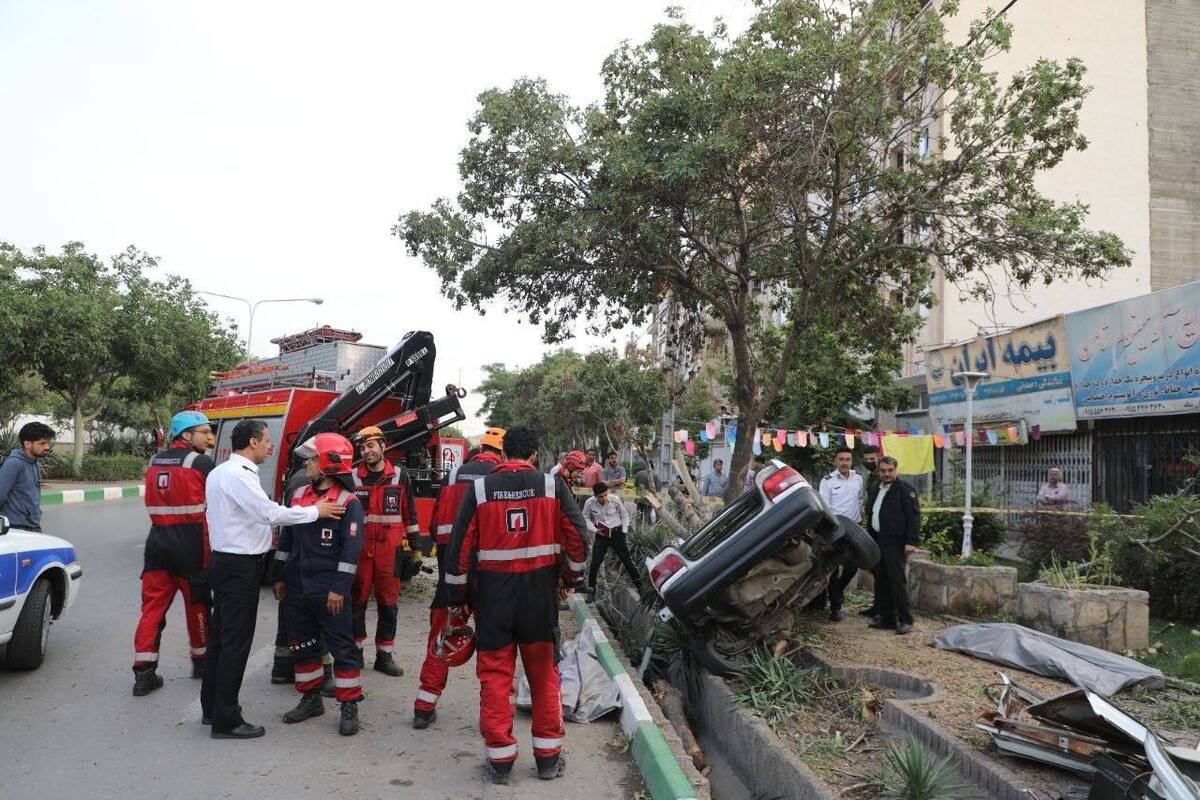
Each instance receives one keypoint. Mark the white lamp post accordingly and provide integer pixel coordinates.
(970, 380)
(253, 306)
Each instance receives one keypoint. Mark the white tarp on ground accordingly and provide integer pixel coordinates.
(587, 691)
(1100, 671)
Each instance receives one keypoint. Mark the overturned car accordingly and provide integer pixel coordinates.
(742, 577)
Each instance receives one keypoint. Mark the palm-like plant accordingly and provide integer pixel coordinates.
(910, 772)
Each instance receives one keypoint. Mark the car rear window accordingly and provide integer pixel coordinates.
(724, 525)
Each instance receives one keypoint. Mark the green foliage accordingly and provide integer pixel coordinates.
(113, 468)
(1159, 551)
(1098, 570)
(1046, 535)
(942, 531)
(910, 772)
(777, 688)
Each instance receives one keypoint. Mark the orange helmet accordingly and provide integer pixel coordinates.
(334, 453)
(369, 433)
(455, 645)
(575, 460)
(494, 438)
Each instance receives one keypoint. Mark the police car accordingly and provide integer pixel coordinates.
(39, 579)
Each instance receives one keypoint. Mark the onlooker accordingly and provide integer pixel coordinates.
(20, 480)
(645, 480)
(896, 525)
(594, 471)
(871, 464)
(557, 468)
(608, 518)
(755, 465)
(716, 482)
(614, 474)
(842, 489)
(1054, 493)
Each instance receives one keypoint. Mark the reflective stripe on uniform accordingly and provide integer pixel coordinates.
(199, 651)
(355, 479)
(413, 529)
(495, 753)
(386, 519)
(345, 567)
(456, 580)
(310, 675)
(520, 552)
(546, 744)
(190, 458)
(344, 496)
(196, 509)
(453, 476)
(427, 697)
(550, 487)
(445, 529)
(381, 647)
(576, 565)
(396, 476)
(480, 492)
(296, 495)
(345, 683)
(145, 656)
(281, 555)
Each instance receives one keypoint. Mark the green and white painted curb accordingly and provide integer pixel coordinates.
(89, 495)
(661, 772)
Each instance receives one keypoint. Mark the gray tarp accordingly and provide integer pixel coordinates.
(1102, 672)
(587, 691)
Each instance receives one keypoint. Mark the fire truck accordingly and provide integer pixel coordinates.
(394, 395)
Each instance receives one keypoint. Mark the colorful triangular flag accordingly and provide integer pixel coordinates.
(823, 438)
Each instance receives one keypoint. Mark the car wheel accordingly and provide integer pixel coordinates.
(865, 549)
(702, 644)
(27, 647)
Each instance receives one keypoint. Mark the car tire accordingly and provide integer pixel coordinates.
(27, 648)
(700, 643)
(865, 549)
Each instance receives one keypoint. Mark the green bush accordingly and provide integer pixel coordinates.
(1166, 566)
(112, 468)
(1044, 536)
(987, 532)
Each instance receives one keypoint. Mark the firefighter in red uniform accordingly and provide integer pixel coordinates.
(513, 527)
(319, 560)
(385, 491)
(176, 553)
(435, 671)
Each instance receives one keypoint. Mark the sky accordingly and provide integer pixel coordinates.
(265, 149)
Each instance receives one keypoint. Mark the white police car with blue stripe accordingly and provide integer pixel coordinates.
(39, 579)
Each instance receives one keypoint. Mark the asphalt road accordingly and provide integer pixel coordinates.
(72, 729)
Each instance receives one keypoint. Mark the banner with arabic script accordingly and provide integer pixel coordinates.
(1138, 356)
(1029, 378)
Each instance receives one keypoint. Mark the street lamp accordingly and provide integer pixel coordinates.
(253, 306)
(970, 381)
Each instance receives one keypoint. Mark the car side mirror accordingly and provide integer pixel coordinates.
(3, 525)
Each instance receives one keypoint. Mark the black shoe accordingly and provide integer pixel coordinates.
(281, 671)
(310, 705)
(882, 625)
(869, 612)
(836, 615)
(387, 665)
(551, 768)
(903, 628)
(146, 681)
(243, 731)
(423, 719)
(208, 720)
(348, 724)
(198, 668)
(497, 773)
(327, 688)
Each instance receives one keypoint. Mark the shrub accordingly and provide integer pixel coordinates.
(112, 468)
(1157, 552)
(910, 772)
(1047, 535)
(987, 532)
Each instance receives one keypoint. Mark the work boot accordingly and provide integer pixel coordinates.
(281, 671)
(423, 719)
(348, 724)
(327, 688)
(310, 705)
(903, 628)
(497, 773)
(385, 663)
(197, 668)
(869, 612)
(145, 681)
(551, 768)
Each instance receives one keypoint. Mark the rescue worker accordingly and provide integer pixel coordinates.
(386, 493)
(514, 526)
(434, 671)
(319, 562)
(176, 552)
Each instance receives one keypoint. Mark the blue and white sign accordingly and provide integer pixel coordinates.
(1138, 356)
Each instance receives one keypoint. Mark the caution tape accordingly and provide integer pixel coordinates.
(1017, 511)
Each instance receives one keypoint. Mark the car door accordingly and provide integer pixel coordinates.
(8, 589)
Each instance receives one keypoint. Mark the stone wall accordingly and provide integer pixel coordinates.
(1110, 617)
(954, 589)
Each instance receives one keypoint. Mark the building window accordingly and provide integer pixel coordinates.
(923, 144)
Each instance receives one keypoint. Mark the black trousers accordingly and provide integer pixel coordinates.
(615, 540)
(838, 582)
(891, 589)
(236, 580)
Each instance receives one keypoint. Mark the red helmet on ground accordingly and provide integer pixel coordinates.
(575, 460)
(335, 454)
(455, 645)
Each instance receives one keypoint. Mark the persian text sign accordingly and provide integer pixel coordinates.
(1138, 356)
(1029, 378)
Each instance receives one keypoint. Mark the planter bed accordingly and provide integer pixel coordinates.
(1110, 617)
(956, 589)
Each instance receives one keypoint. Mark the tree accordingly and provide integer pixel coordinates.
(97, 329)
(774, 173)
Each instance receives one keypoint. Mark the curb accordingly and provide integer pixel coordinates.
(67, 496)
(663, 776)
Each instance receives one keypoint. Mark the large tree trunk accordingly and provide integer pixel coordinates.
(78, 424)
(748, 409)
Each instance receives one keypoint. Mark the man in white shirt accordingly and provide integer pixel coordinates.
(608, 520)
(240, 516)
(842, 490)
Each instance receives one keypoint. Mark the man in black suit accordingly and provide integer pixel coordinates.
(895, 522)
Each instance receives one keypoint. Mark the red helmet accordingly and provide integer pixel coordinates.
(334, 452)
(575, 460)
(455, 645)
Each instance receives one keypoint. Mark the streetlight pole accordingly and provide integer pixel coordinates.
(970, 381)
(253, 307)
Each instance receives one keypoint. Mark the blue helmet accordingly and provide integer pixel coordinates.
(186, 420)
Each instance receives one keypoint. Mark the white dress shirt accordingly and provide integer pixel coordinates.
(240, 514)
(883, 490)
(612, 514)
(844, 494)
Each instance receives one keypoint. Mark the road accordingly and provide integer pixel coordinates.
(72, 728)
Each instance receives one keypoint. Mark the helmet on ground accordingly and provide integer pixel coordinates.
(575, 460)
(455, 645)
(369, 433)
(493, 438)
(185, 421)
(335, 454)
